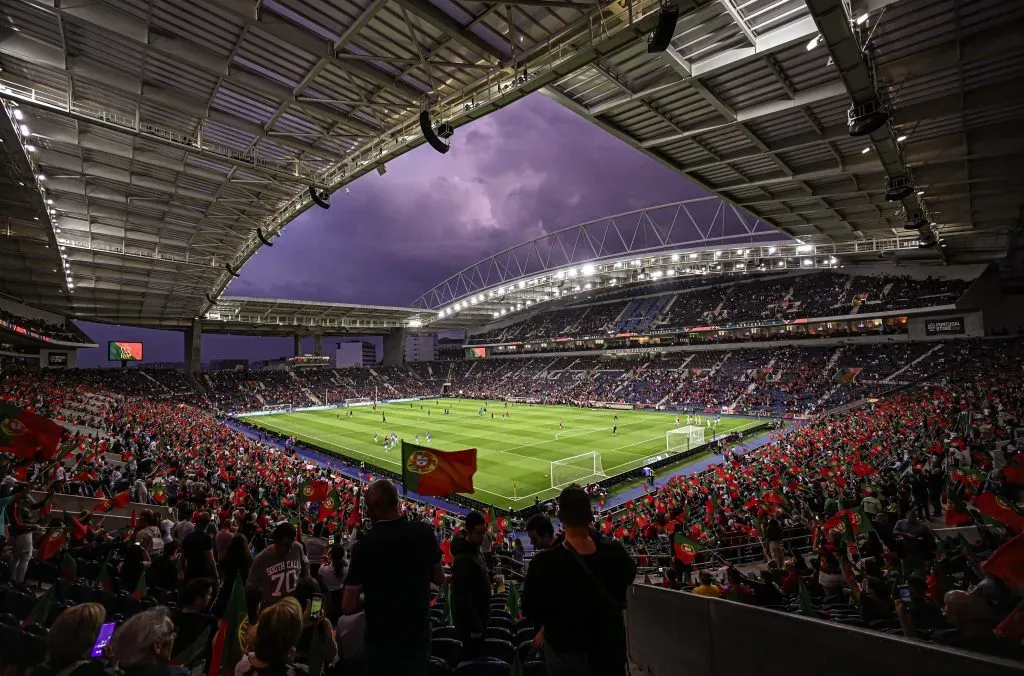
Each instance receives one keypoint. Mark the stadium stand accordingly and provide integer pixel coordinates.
(911, 464)
(720, 300)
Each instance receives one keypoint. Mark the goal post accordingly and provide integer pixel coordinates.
(582, 469)
(682, 439)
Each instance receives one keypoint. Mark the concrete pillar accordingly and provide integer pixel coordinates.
(318, 345)
(298, 345)
(193, 347)
(394, 348)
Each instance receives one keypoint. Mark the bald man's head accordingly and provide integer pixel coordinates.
(381, 500)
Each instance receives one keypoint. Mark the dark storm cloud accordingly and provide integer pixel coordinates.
(528, 169)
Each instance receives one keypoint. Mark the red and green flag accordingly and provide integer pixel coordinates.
(228, 642)
(103, 579)
(313, 491)
(140, 590)
(512, 603)
(26, 434)
(996, 510)
(119, 501)
(844, 519)
(41, 610)
(1007, 562)
(68, 568)
(428, 471)
(52, 543)
(686, 550)
(329, 506)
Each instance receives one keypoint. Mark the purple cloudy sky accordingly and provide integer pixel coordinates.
(527, 169)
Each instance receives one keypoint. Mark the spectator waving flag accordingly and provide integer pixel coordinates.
(1007, 562)
(996, 510)
(329, 506)
(229, 642)
(428, 471)
(26, 434)
(686, 550)
(313, 491)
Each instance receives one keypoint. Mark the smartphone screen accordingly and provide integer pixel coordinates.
(106, 631)
(317, 605)
(330, 540)
(904, 593)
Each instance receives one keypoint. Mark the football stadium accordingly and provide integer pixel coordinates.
(465, 338)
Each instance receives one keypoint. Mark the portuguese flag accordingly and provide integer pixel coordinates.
(852, 517)
(1007, 562)
(27, 435)
(229, 641)
(428, 471)
(997, 511)
(686, 549)
(313, 491)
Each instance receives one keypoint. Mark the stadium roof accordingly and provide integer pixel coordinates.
(279, 317)
(177, 137)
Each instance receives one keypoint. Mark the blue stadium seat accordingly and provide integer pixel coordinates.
(448, 649)
(438, 667)
(534, 668)
(444, 632)
(483, 667)
(498, 632)
(500, 649)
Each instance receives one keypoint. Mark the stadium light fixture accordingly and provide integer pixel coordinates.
(862, 18)
(804, 248)
(814, 42)
(522, 284)
(611, 282)
(693, 256)
(920, 192)
(24, 130)
(901, 138)
(781, 264)
(670, 272)
(866, 150)
(31, 148)
(832, 260)
(771, 250)
(40, 177)
(589, 269)
(808, 262)
(18, 115)
(675, 258)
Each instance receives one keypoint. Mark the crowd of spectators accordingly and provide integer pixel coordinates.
(216, 506)
(57, 331)
(723, 300)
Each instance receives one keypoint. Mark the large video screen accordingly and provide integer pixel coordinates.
(118, 350)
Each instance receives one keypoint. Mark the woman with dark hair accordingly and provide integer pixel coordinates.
(235, 565)
(132, 568)
(333, 568)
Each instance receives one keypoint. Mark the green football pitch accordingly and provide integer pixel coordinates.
(513, 453)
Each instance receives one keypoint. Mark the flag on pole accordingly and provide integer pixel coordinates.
(313, 491)
(228, 645)
(1007, 562)
(329, 506)
(685, 549)
(428, 471)
(996, 510)
(52, 543)
(26, 434)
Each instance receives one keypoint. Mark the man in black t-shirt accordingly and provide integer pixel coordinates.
(389, 577)
(197, 551)
(576, 592)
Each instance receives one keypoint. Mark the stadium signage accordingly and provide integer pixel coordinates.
(57, 358)
(15, 328)
(944, 327)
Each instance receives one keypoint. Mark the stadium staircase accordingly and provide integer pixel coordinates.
(831, 363)
(892, 377)
(305, 390)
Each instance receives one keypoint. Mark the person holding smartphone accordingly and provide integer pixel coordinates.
(307, 593)
(77, 643)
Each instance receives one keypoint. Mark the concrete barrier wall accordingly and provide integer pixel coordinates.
(673, 633)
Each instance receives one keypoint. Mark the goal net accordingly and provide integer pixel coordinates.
(681, 439)
(581, 469)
